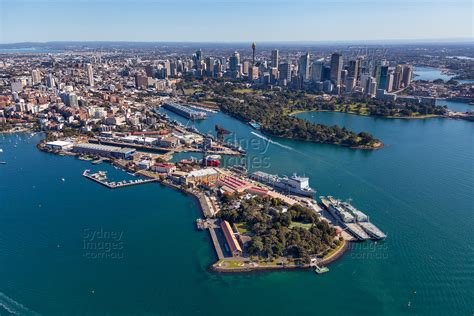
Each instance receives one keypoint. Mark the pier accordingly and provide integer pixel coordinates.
(101, 178)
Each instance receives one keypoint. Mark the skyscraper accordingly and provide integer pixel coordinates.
(234, 60)
(285, 71)
(336, 68)
(303, 67)
(275, 58)
(407, 75)
(382, 77)
(209, 66)
(354, 65)
(317, 71)
(90, 75)
(35, 76)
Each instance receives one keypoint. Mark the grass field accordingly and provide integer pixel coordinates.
(302, 225)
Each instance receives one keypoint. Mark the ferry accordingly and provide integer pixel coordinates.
(355, 221)
(254, 125)
(294, 184)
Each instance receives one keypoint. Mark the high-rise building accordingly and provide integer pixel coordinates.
(407, 75)
(336, 68)
(326, 73)
(317, 71)
(303, 67)
(382, 77)
(350, 84)
(245, 67)
(285, 71)
(275, 58)
(141, 82)
(149, 71)
(209, 66)
(354, 65)
(35, 76)
(73, 100)
(253, 73)
(389, 84)
(50, 82)
(90, 75)
(234, 61)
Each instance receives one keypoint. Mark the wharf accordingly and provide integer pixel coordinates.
(102, 179)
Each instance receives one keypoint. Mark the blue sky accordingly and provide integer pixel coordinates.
(236, 20)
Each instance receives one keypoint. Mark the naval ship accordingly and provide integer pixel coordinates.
(294, 184)
(356, 222)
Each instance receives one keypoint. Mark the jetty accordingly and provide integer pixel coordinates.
(101, 178)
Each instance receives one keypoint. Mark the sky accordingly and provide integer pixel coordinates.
(234, 20)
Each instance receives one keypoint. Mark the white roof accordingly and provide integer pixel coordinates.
(59, 143)
(202, 172)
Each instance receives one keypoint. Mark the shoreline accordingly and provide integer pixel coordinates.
(214, 266)
(420, 117)
(338, 254)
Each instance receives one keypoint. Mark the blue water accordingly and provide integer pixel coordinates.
(418, 189)
(430, 74)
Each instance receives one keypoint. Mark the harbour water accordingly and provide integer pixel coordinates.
(418, 189)
(430, 74)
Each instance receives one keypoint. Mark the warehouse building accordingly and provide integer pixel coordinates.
(103, 150)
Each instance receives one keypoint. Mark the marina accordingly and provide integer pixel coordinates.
(101, 178)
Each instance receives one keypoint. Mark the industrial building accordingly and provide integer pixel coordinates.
(103, 150)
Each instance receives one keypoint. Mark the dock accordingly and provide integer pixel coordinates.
(101, 178)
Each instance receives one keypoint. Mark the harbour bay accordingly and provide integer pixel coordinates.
(418, 189)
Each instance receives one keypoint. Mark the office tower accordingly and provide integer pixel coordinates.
(354, 65)
(350, 84)
(389, 84)
(303, 67)
(90, 75)
(285, 71)
(371, 86)
(167, 67)
(407, 75)
(73, 100)
(197, 59)
(245, 67)
(209, 66)
(253, 73)
(273, 74)
(50, 82)
(35, 76)
(397, 77)
(328, 86)
(275, 58)
(344, 75)
(254, 46)
(141, 82)
(326, 73)
(217, 68)
(336, 68)
(317, 71)
(149, 71)
(234, 60)
(173, 69)
(382, 74)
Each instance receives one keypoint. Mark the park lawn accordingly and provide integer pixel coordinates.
(302, 225)
(244, 91)
(330, 253)
(242, 228)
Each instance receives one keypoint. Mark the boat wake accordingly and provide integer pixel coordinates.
(14, 307)
(272, 141)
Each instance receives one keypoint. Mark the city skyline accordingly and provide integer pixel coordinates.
(262, 21)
